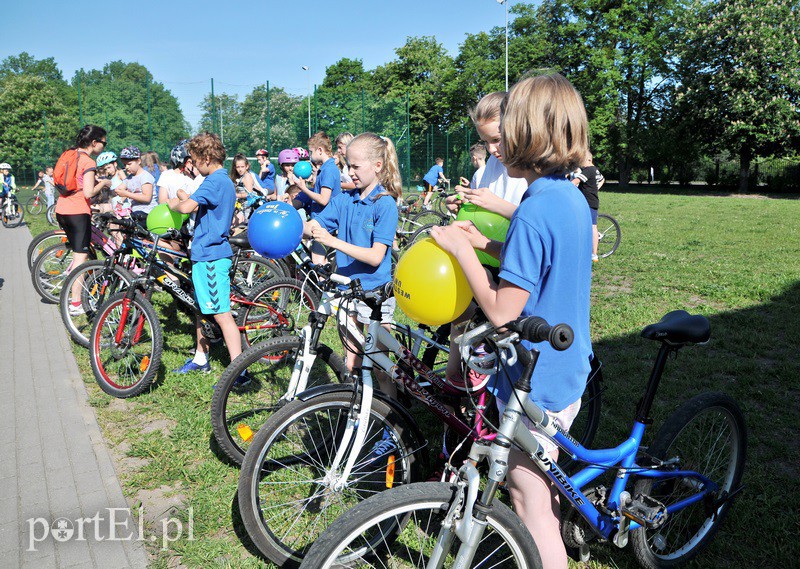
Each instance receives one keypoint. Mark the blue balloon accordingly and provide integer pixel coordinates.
(275, 230)
(302, 169)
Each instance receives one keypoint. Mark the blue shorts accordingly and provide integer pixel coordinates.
(594, 215)
(212, 285)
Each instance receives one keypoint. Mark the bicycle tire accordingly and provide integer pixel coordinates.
(237, 413)
(417, 511)
(290, 460)
(51, 215)
(708, 419)
(609, 235)
(96, 287)
(42, 241)
(584, 427)
(14, 219)
(430, 217)
(50, 270)
(34, 206)
(285, 296)
(252, 270)
(111, 361)
(421, 233)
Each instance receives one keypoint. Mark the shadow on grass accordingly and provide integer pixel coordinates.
(241, 531)
(752, 356)
(695, 190)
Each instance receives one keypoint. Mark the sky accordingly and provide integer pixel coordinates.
(240, 44)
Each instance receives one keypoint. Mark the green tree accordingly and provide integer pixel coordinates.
(286, 112)
(26, 64)
(740, 77)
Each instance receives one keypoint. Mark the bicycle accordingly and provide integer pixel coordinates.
(608, 235)
(51, 215)
(126, 340)
(341, 443)
(35, 204)
(12, 213)
(683, 484)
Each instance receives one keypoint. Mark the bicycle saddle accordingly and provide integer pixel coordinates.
(679, 328)
(240, 240)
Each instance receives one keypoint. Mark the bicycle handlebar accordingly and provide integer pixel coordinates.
(536, 329)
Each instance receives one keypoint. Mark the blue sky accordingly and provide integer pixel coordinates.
(185, 44)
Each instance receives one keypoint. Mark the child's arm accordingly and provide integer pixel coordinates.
(322, 198)
(144, 197)
(36, 185)
(371, 256)
(186, 205)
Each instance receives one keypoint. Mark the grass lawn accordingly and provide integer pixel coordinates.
(732, 259)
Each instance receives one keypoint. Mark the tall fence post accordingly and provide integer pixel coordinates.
(408, 141)
(105, 111)
(213, 108)
(149, 114)
(447, 151)
(269, 139)
(80, 98)
(46, 138)
(363, 121)
(164, 124)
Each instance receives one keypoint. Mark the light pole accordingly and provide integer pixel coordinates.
(505, 2)
(305, 68)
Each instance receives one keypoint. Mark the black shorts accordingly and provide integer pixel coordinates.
(78, 228)
(427, 186)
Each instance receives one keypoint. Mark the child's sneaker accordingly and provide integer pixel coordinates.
(189, 366)
(382, 448)
(76, 309)
(595, 258)
(242, 381)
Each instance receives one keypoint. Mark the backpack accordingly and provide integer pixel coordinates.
(65, 173)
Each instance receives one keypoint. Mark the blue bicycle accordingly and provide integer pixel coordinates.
(682, 485)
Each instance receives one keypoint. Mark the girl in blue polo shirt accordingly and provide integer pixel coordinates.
(545, 270)
(366, 221)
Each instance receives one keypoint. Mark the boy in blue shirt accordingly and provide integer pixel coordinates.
(266, 174)
(327, 185)
(432, 178)
(545, 270)
(214, 205)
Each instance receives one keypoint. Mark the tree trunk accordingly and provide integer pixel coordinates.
(745, 157)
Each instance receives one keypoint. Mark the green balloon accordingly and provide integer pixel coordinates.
(492, 225)
(161, 219)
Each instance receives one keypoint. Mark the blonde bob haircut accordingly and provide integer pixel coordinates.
(488, 108)
(544, 127)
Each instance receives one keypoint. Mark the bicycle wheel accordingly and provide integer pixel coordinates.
(421, 233)
(42, 241)
(400, 529)
(51, 215)
(608, 235)
(13, 213)
(584, 427)
(707, 434)
(252, 270)
(50, 270)
(278, 306)
(127, 367)
(238, 412)
(34, 205)
(97, 284)
(431, 217)
(288, 490)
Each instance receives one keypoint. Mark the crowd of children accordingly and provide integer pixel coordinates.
(536, 139)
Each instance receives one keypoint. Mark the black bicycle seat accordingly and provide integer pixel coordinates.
(679, 328)
(240, 240)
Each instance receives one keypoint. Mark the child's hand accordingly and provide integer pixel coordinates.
(321, 235)
(453, 203)
(477, 239)
(451, 238)
(120, 190)
(463, 182)
(481, 197)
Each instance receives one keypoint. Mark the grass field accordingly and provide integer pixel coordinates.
(732, 259)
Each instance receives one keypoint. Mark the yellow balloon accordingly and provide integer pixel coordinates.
(429, 285)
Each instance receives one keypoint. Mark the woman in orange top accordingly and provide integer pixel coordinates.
(72, 211)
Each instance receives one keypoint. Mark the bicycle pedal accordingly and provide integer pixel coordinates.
(645, 511)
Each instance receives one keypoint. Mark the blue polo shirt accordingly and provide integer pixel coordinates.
(548, 252)
(216, 200)
(433, 174)
(363, 223)
(267, 179)
(328, 176)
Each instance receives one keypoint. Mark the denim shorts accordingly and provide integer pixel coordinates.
(212, 285)
(594, 215)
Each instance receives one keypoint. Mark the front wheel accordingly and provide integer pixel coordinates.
(405, 526)
(608, 235)
(50, 270)
(35, 205)
(41, 242)
(12, 213)
(291, 487)
(97, 282)
(706, 435)
(238, 411)
(51, 215)
(125, 345)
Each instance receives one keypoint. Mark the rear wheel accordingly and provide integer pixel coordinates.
(12, 213)
(402, 528)
(253, 270)
(707, 435)
(289, 491)
(51, 215)
(50, 270)
(97, 284)
(42, 241)
(608, 235)
(125, 345)
(35, 205)
(421, 233)
(237, 412)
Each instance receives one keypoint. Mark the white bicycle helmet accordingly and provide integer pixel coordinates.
(5, 166)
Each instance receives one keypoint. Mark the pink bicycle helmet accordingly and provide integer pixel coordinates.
(301, 152)
(288, 156)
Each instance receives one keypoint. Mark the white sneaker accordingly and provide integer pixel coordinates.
(76, 310)
(595, 258)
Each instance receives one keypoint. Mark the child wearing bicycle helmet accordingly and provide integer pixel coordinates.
(545, 270)
(7, 184)
(113, 178)
(287, 158)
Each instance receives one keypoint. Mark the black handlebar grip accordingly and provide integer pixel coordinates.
(536, 329)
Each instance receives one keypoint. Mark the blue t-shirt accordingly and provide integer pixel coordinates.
(433, 174)
(362, 223)
(328, 176)
(267, 179)
(216, 199)
(548, 252)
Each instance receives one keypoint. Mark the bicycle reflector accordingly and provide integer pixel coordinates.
(390, 472)
(245, 432)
